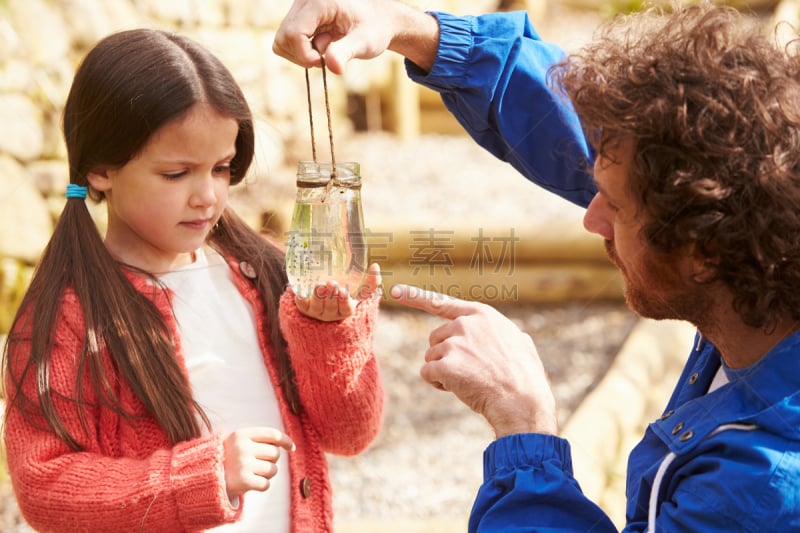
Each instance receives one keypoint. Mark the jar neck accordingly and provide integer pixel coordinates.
(352, 183)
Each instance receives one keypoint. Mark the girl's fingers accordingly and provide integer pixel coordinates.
(330, 302)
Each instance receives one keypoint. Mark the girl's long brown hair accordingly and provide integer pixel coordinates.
(128, 86)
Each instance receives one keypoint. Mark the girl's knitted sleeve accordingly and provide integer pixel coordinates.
(337, 374)
(127, 477)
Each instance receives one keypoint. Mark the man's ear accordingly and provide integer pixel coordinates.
(98, 179)
(704, 268)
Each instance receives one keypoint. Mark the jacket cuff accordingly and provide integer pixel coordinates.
(197, 475)
(452, 56)
(526, 450)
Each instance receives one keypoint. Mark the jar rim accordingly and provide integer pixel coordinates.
(317, 174)
(349, 167)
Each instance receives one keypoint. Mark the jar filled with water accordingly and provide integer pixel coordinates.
(326, 238)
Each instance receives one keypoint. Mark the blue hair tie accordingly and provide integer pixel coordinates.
(76, 191)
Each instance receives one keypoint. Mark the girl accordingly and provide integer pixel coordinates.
(154, 377)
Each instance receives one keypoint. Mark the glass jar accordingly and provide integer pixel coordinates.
(326, 238)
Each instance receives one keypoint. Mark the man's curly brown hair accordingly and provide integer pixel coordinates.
(713, 108)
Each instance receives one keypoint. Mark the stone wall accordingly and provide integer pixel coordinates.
(41, 43)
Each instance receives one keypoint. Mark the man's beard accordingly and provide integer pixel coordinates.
(659, 292)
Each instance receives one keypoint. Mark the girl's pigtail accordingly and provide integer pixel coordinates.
(119, 323)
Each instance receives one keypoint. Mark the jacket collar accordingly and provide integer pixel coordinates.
(766, 394)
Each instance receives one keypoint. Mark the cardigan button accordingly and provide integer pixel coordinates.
(305, 487)
(247, 269)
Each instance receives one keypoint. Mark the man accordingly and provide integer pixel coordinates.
(693, 120)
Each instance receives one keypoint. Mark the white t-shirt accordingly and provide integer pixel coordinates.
(720, 379)
(228, 375)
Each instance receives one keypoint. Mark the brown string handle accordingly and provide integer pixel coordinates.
(311, 119)
(328, 116)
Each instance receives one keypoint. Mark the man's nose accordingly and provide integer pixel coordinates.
(597, 218)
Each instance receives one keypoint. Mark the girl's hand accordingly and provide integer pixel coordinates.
(330, 302)
(250, 457)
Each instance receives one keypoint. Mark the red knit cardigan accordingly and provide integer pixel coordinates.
(129, 478)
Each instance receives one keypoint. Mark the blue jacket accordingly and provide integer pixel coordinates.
(491, 74)
(723, 461)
